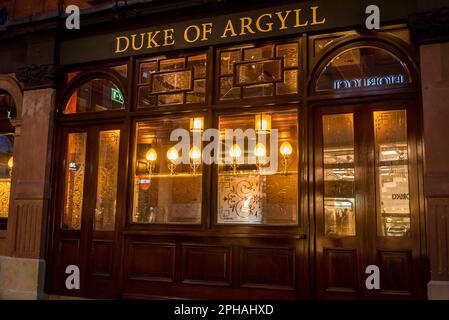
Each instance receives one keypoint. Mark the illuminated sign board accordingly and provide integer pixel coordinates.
(117, 96)
(375, 81)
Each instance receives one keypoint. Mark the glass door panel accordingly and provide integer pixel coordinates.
(338, 169)
(392, 192)
(75, 165)
(107, 174)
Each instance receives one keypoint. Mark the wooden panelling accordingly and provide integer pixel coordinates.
(68, 254)
(28, 225)
(267, 267)
(438, 222)
(206, 264)
(150, 261)
(101, 258)
(340, 268)
(395, 271)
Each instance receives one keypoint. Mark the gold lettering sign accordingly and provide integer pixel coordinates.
(222, 29)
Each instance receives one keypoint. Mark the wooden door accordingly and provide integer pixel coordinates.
(89, 209)
(367, 208)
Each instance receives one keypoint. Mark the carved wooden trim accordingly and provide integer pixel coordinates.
(430, 27)
(27, 228)
(438, 237)
(37, 76)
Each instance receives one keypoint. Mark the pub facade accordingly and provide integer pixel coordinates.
(342, 167)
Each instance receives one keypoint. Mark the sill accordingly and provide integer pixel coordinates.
(2, 234)
(218, 234)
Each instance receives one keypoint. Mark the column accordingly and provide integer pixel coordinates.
(431, 31)
(23, 270)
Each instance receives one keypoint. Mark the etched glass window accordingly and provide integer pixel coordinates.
(173, 81)
(75, 166)
(258, 172)
(363, 68)
(94, 96)
(168, 180)
(250, 72)
(106, 202)
(393, 194)
(339, 183)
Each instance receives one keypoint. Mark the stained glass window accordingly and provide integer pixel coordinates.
(172, 81)
(250, 72)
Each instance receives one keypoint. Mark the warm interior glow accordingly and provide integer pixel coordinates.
(260, 150)
(196, 124)
(286, 148)
(195, 153)
(235, 151)
(151, 155)
(263, 123)
(172, 154)
(10, 163)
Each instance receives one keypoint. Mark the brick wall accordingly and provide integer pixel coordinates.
(19, 9)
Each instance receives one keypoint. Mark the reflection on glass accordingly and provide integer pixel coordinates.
(166, 190)
(6, 167)
(393, 197)
(264, 71)
(108, 153)
(362, 68)
(95, 95)
(172, 81)
(74, 180)
(251, 189)
(339, 184)
(259, 72)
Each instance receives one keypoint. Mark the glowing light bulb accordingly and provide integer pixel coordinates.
(286, 149)
(196, 124)
(172, 154)
(195, 153)
(260, 150)
(151, 155)
(235, 151)
(10, 163)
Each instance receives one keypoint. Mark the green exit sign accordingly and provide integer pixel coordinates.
(117, 96)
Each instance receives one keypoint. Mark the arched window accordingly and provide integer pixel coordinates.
(362, 68)
(95, 95)
(7, 111)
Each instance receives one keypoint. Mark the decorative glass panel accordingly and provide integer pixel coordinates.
(339, 183)
(258, 179)
(393, 195)
(258, 90)
(74, 180)
(264, 52)
(362, 68)
(108, 154)
(290, 84)
(274, 65)
(228, 59)
(95, 95)
(146, 69)
(258, 72)
(198, 63)
(290, 54)
(172, 81)
(168, 181)
(6, 167)
(122, 70)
